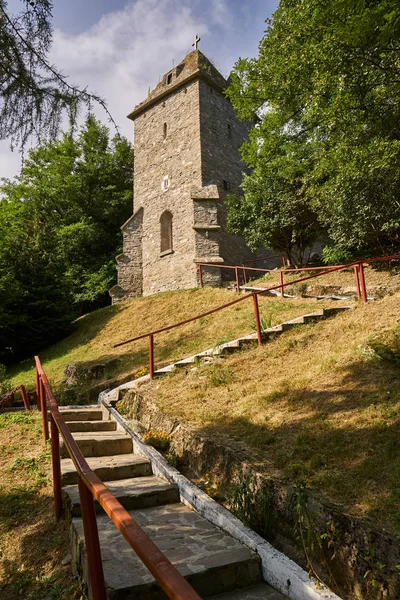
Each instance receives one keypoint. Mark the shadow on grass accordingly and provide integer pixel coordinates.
(33, 547)
(343, 440)
(84, 330)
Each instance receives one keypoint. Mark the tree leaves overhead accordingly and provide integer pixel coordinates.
(34, 95)
(328, 78)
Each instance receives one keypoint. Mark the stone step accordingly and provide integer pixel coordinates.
(255, 592)
(101, 443)
(75, 426)
(137, 493)
(82, 414)
(211, 560)
(108, 468)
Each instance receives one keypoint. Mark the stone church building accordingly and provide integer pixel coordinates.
(187, 140)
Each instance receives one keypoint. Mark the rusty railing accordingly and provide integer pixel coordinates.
(90, 487)
(357, 266)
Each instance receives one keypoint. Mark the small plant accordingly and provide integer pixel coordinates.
(160, 440)
(207, 487)
(5, 384)
(266, 322)
(220, 375)
(252, 505)
(140, 373)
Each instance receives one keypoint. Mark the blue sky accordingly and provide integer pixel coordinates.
(118, 48)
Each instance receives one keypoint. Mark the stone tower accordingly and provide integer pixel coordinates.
(187, 140)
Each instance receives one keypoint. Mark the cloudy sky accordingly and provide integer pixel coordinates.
(120, 48)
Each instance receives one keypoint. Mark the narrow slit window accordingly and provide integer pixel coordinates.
(165, 128)
(166, 231)
(229, 131)
(169, 78)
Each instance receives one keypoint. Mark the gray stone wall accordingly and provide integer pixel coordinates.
(222, 134)
(130, 263)
(177, 157)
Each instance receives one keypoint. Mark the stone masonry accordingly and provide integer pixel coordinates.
(187, 140)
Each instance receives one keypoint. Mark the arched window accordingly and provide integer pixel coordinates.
(166, 231)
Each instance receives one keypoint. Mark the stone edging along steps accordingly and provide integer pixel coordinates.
(220, 557)
(237, 344)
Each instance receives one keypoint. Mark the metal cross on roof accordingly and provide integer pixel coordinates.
(196, 41)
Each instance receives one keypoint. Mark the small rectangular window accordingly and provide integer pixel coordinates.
(227, 185)
(169, 78)
(229, 131)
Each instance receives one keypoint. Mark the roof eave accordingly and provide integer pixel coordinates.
(197, 75)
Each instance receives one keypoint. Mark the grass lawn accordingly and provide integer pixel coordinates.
(320, 405)
(32, 544)
(96, 333)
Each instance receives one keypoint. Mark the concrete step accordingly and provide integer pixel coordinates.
(108, 468)
(210, 559)
(137, 493)
(255, 592)
(82, 414)
(102, 443)
(75, 426)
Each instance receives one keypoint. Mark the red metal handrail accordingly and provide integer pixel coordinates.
(358, 267)
(90, 486)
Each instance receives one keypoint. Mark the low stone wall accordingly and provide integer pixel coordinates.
(362, 560)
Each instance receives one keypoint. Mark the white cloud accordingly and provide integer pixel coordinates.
(126, 52)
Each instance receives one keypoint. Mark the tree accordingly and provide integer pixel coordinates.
(33, 93)
(60, 222)
(328, 77)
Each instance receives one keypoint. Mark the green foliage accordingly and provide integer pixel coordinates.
(253, 506)
(160, 440)
(5, 384)
(386, 345)
(326, 90)
(60, 222)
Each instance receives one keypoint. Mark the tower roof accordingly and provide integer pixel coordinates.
(195, 65)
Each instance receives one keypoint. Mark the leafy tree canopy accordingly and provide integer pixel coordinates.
(327, 80)
(60, 222)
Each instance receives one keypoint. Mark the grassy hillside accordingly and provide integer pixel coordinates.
(33, 547)
(320, 405)
(96, 333)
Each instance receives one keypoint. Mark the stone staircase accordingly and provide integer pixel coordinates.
(216, 565)
(239, 343)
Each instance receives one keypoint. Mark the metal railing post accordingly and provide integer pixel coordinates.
(55, 457)
(362, 281)
(357, 279)
(244, 274)
(43, 404)
(237, 279)
(151, 356)
(38, 398)
(95, 566)
(201, 276)
(257, 318)
(281, 284)
(25, 397)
